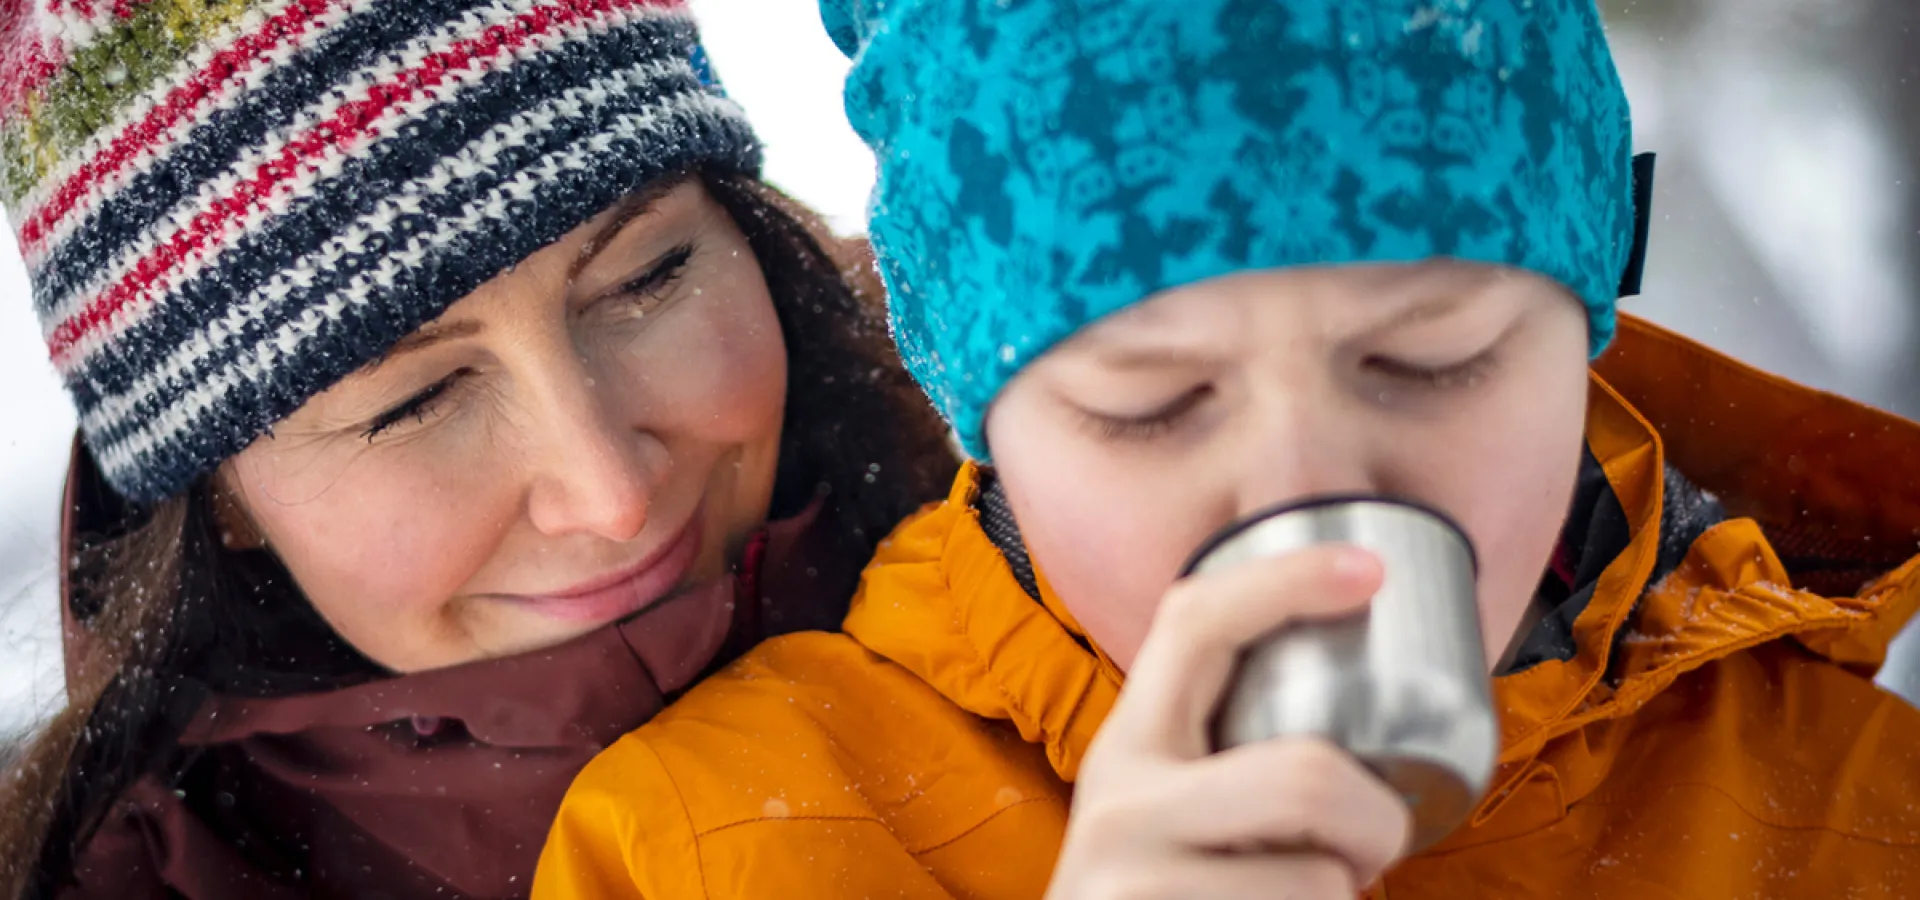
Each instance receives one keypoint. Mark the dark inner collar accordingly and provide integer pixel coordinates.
(1596, 532)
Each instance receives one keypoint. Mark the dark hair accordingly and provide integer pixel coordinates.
(171, 615)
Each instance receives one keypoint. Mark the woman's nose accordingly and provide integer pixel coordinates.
(596, 470)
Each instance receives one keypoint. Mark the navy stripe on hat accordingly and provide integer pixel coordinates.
(266, 240)
(372, 326)
(366, 180)
(183, 167)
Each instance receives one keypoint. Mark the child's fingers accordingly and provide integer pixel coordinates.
(1293, 794)
(1205, 621)
(1281, 795)
(1304, 876)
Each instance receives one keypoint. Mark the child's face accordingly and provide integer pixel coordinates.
(1457, 384)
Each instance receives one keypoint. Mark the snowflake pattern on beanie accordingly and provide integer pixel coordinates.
(1044, 163)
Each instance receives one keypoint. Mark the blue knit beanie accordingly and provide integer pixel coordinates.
(225, 206)
(1043, 163)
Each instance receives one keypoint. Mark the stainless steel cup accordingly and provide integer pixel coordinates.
(1402, 686)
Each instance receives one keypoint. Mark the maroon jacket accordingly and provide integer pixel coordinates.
(439, 784)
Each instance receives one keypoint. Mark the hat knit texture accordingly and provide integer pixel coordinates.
(1044, 163)
(226, 206)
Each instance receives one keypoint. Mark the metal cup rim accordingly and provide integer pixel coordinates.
(1241, 525)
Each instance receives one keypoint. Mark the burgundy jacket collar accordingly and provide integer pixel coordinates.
(442, 783)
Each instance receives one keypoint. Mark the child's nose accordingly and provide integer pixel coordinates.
(1298, 448)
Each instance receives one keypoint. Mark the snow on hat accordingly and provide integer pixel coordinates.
(225, 206)
(1043, 163)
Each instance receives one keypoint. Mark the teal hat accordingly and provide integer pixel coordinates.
(1044, 163)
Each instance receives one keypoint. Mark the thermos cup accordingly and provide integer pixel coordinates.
(1402, 686)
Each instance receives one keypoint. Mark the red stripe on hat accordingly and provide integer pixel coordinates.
(352, 121)
(226, 66)
(37, 66)
(27, 58)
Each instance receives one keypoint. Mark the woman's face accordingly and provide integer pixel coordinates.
(1460, 385)
(582, 436)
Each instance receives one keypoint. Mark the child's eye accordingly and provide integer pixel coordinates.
(417, 407)
(1151, 425)
(1458, 375)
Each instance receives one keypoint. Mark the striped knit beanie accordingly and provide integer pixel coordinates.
(226, 206)
(1045, 163)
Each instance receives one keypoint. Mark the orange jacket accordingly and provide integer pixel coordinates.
(1712, 734)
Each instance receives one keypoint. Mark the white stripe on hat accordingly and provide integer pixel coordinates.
(267, 298)
(154, 436)
(162, 145)
(353, 89)
(283, 194)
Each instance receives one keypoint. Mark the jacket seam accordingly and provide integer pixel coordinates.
(1755, 817)
(1654, 681)
(1567, 714)
(1774, 386)
(1680, 664)
(1885, 591)
(1028, 801)
(1763, 820)
(877, 820)
(979, 656)
(807, 818)
(1073, 715)
(1661, 676)
(686, 814)
(1673, 343)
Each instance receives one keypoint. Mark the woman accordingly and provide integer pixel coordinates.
(445, 375)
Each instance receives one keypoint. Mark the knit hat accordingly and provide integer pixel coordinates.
(226, 206)
(1043, 163)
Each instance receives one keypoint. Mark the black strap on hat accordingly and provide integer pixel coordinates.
(1642, 223)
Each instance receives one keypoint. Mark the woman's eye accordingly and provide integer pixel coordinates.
(1458, 375)
(660, 276)
(417, 408)
(1151, 425)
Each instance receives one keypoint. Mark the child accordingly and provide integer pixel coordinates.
(1167, 264)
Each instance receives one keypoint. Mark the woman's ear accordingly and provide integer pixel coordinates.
(230, 517)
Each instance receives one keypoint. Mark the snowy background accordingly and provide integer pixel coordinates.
(1785, 230)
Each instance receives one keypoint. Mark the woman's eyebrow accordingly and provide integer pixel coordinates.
(636, 205)
(427, 336)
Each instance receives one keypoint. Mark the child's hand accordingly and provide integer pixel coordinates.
(1156, 815)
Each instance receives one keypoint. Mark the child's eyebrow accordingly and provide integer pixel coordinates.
(1121, 356)
(1434, 303)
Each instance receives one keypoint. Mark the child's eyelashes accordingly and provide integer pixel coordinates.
(1149, 425)
(1169, 417)
(1465, 374)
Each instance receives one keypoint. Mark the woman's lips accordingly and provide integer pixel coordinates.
(623, 594)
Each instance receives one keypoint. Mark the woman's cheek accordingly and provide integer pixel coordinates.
(384, 568)
(716, 374)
